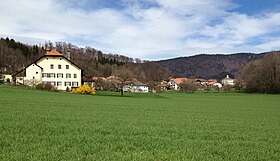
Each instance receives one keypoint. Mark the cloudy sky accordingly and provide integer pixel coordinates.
(147, 29)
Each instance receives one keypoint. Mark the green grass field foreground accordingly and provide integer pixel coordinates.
(40, 125)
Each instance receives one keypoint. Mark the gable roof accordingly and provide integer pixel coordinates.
(36, 65)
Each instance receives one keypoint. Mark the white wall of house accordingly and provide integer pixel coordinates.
(228, 82)
(143, 89)
(173, 85)
(7, 77)
(33, 75)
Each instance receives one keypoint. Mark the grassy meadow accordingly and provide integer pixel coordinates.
(40, 125)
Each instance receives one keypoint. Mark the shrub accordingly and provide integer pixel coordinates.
(85, 89)
(188, 87)
(207, 88)
(228, 88)
(46, 86)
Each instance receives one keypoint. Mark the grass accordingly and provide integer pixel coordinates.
(39, 125)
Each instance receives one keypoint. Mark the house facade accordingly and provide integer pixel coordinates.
(52, 68)
(228, 81)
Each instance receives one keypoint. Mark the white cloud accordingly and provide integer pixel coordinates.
(161, 29)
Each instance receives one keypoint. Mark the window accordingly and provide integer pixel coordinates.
(67, 84)
(75, 76)
(51, 66)
(59, 83)
(47, 82)
(48, 75)
(59, 75)
(33, 77)
(52, 83)
(67, 66)
(59, 66)
(52, 75)
(36, 72)
(74, 84)
(68, 75)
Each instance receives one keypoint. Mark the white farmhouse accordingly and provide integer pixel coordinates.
(52, 68)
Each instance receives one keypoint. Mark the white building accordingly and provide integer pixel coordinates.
(52, 68)
(174, 84)
(6, 78)
(228, 81)
(136, 88)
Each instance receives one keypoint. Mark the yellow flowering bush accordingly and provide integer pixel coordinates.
(85, 89)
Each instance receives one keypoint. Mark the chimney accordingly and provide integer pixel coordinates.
(68, 53)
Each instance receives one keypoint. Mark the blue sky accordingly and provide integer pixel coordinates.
(147, 29)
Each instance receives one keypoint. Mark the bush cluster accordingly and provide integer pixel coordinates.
(46, 86)
(85, 89)
(187, 86)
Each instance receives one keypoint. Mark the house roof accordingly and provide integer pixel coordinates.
(227, 79)
(36, 65)
(180, 80)
(212, 80)
(200, 80)
(212, 83)
(53, 53)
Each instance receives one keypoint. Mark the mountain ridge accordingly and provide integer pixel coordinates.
(209, 66)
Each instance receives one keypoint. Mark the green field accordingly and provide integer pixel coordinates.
(39, 125)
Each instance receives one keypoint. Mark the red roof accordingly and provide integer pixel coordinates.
(180, 80)
(53, 53)
(212, 80)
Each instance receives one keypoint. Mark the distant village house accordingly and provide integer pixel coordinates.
(228, 81)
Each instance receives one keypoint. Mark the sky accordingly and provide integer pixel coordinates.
(147, 29)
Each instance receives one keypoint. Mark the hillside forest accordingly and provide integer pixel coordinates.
(14, 56)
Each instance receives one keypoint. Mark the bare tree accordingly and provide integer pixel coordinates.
(125, 76)
(187, 86)
(262, 75)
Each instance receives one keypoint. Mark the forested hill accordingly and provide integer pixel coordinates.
(209, 66)
(14, 56)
